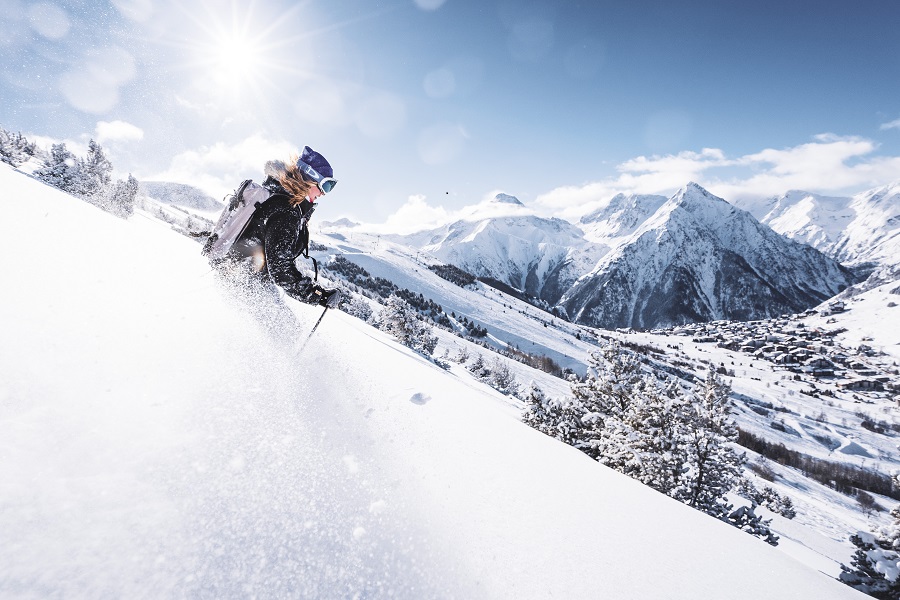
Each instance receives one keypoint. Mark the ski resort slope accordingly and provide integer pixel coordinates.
(155, 443)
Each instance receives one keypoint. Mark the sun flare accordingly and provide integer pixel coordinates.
(237, 56)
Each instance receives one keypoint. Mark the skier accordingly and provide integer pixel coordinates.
(277, 234)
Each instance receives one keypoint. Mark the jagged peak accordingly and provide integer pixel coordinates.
(502, 198)
(693, 195)
(621, 201)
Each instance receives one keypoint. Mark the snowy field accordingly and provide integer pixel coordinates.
(156, 443)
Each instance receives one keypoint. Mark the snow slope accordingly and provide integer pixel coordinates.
(155, 443)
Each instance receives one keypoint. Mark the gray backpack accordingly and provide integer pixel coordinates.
(239, 209)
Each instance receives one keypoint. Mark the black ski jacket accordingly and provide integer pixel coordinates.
(281, 231)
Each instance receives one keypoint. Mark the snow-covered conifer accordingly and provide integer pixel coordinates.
(612, 383)
(662, 419)
(15, 149)
(502, 378)
(358, 308)
(60, 168)
(713, 465)
(864, 575)
(93, 174)
(560, 419)
(119, 198)
(537, 413)
(746, 519)
(402, 322)
(479, 368)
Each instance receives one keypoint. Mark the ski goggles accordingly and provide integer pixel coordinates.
(325, 184)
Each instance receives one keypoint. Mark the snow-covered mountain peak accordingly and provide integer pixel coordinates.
(620, 217)
(857, 230)
(695, 197)
(700, 258)
(502, 198)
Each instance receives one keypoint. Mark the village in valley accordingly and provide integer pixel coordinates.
(810, 352)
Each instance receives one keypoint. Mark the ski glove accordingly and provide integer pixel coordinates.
(323, 297)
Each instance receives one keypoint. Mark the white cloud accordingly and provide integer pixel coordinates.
(118, 131)
(895, 124)
(415, 215)
(829, 164)
(218, 169)
(76, 147)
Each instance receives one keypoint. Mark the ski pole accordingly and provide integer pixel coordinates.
(313, 330)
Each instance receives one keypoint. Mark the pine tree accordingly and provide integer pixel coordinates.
(478, 368)
(60, 169)
(15, 149)
(93, 174)
(662, 419)
(358, 308)
(864, 576)
(560, 419)
(746, 519)
(120, 198)
(402, 322)
(606, 394)
(502, 378)
(713, 466)
(538, 412)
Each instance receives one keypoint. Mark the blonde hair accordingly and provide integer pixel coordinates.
(293, 182)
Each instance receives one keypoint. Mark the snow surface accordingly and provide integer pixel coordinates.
(156, 443)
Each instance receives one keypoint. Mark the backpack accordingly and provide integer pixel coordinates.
(239, 209)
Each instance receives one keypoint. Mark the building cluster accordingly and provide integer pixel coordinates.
(807, 351)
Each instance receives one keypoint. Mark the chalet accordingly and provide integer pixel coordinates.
(819, 366)
(800, 353)
(784, 358)
(765, 350)
(834, 307)
(862, 384)
(732, 344)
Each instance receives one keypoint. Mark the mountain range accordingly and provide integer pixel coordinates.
(651, 261)
(859, 230)
(644, 261)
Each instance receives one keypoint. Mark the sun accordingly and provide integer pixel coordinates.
(252, 57)
(230, 50)
(237, 56)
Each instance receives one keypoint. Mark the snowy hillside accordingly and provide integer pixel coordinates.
(157, 444)
(184, 196)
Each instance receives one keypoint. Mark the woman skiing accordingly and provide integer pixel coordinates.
(277, 234)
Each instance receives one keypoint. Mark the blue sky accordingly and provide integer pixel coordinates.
(427, 106)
